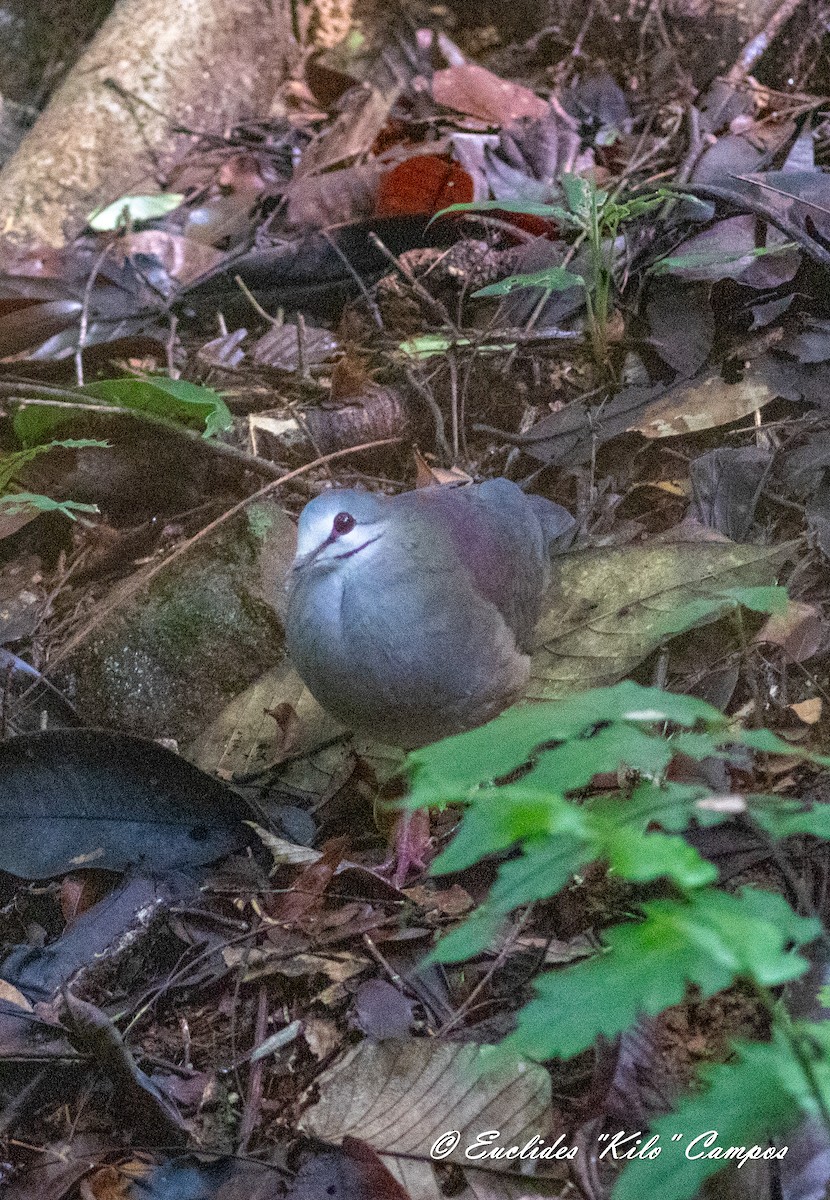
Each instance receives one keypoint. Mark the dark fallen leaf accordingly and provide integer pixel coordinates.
(568, 435)
(539, 148)
(315, 270)
(727, 157)
(127, 300)
(58, 1168)
(223, 1179)
(597, 99)
(681, 324)
(85, 798)
(800, 631)
(809, 343)
(806, 1169)
(802, 469)
(32, 324)
(818, 518)
(354, 1172)
(796, 381)
(769, 310)
(726, 487)
(382, 1011)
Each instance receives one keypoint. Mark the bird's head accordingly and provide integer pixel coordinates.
(337, 528)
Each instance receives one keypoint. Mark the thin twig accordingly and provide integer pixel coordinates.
(758, 45)
(432, 404)
(371, 304)
(435, 306)
(501, 957)
(84, 322)
(254, 303)
(256, 1074)
(739, 200)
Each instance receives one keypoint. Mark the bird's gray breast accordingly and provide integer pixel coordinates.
(403, 646)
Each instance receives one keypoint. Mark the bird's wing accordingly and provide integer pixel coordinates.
(502, 537)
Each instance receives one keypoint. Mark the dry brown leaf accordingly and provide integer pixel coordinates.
(283, 852)
(336, 198)
(612, 605)
(363, 114)
(183, 258)
(474, 90)
(808, 711)
(799, 631)
(322, 1036)
(245, 738)
(428, 475)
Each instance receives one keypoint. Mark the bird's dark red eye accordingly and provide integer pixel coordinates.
(343, 523)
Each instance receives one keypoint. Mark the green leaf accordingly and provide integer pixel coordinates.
(640, 206)
(574, 764)
(500, 820)
(469, 939)
(781, 817)
(709, 939)
(543, 869)
(176, 399)
(451, 770)
(768, 742)
(760, 599)
(19, 501)
(551, 212)
(130, 209)
(579, 193)
(171, 399)
(553, 279)
(706, 258)
(427, 345)
(750, 1103)
(646, 857)
(696, 612)
(671, 805)
(710, 608)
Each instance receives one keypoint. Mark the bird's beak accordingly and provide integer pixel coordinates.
(305, 560)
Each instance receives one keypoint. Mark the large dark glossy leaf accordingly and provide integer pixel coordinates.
(86, 798)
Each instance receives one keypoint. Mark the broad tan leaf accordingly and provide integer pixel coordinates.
(702, 403)
(253, 732)
(606, 618)
(402, 1096)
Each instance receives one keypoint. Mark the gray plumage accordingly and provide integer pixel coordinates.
(411, 617)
